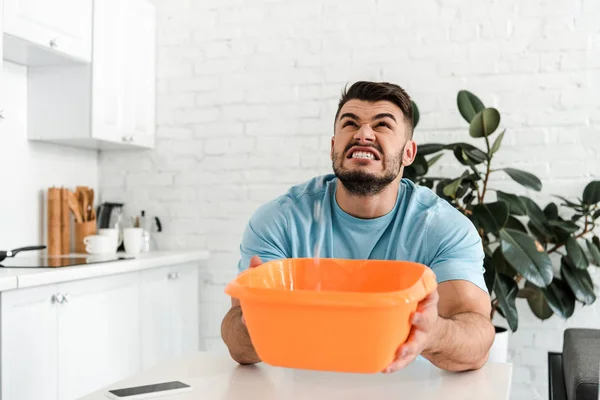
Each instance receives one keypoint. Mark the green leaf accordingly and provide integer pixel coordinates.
(430, 148)
(515, 204)
(474, 154)
(560, 298)
(525, 257)
(591, 193)
(567, 226)
(506, 290)
(594, 252)
(416, 114)
(500, 264)
(551, 211)
(576, 254)
(537, 218)
(434, 159)
(596, 215)
(537, 302)
(468, 105)
(491, 217)
(484, 123)
(514, 223)
(497, 142)
(579, 281)
(524, 178)
(450, 189)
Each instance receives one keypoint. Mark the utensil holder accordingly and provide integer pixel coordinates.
(82, 230)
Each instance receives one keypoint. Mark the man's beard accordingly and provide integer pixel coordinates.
(362, 183)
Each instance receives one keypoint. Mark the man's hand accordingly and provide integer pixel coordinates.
(423, 322)
(234, 331)
(451, 328)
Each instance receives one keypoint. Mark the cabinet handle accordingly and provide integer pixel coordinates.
(52, 42)
(66, 298)
(1, 115)
(173, 275)
(57, 298)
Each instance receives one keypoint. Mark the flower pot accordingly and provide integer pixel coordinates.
(499, 349)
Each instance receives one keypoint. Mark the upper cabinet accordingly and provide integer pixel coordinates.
(106, 103)
(123, 78)
(1, 59)
(42, 32)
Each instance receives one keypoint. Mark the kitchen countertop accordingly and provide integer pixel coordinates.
(17, 278)
(216, 376)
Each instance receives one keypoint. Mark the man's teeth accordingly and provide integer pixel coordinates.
(363, 154)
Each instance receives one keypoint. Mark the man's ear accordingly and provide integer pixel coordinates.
(331, 150)
(409, 153)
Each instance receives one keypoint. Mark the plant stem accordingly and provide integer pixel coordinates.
(488, 170)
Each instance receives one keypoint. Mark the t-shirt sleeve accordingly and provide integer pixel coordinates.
(265, 235)
(456, 247)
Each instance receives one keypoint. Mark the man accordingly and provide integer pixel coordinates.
(367, 211)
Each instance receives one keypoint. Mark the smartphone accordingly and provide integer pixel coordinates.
(149, 391)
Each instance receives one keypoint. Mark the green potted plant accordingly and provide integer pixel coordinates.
(540, 255)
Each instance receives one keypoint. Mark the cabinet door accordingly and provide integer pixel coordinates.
(158, 334)
(184, 291)
(29, 344)
(98, 327)
(139, 102)
(62, 25)
(169, 299)
(123, 83)
(108, 78)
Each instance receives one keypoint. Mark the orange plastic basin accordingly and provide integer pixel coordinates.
(344, 315)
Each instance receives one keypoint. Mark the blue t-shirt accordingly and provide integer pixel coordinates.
(422, 227)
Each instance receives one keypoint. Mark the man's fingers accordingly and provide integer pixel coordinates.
(255, 261)
(408, 351)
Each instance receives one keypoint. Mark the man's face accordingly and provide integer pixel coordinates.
(371, 144)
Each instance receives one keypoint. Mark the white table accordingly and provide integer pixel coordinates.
(217, 377)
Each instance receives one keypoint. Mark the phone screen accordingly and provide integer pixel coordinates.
(157, 387)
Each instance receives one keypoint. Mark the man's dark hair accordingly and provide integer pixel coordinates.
(377, 91)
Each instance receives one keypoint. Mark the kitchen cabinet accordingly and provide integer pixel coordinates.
(44, 32)
(61, 341)
(123, 82)
(170, 327)
(1, 59)
(110, 103)
(29, 340)
(104, 309)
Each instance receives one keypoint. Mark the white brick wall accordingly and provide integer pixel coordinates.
(247, 93)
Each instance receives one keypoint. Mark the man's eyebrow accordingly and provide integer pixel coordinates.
(385, 115)
(349, 115)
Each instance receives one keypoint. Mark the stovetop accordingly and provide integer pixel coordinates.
(56, 262)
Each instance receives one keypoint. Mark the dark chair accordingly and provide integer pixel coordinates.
(574, 373)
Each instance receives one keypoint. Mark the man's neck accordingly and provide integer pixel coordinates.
(367, 207)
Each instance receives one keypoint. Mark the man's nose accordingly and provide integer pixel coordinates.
(365, 134)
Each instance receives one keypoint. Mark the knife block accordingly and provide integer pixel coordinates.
(82, 230)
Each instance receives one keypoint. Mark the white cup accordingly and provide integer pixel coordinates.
(96, 244)
(114, 235)
(132, 240)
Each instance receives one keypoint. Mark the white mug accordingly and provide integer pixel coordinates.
(114, 235)
(96, 244)
(132, 240)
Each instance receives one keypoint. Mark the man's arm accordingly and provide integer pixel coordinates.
(463, 334)
(451, 328)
